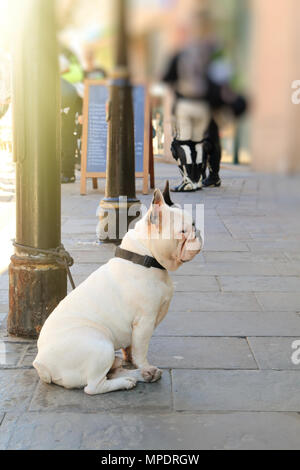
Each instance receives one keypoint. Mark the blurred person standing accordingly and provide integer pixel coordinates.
(71, 109)
(199, 77)
(73, 72)
(158, 130)
(93, 71)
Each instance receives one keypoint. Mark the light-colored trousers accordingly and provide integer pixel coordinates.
(191, 119)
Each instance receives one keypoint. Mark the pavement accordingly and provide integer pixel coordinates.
(225, 347)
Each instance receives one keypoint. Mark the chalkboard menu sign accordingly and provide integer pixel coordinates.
(97, 130)
(94, 138)
(139, 100)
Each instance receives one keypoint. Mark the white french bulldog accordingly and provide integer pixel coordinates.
(118, 306)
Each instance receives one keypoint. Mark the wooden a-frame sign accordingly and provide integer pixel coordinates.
(94, 136)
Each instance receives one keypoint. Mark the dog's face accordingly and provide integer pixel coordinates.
(170, 232)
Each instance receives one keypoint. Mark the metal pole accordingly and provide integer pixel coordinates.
(120, 193)
(37, 281)
(236, 146)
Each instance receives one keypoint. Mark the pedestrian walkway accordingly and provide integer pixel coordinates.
(229, 381)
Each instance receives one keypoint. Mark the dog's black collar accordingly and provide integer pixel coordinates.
(146, 261)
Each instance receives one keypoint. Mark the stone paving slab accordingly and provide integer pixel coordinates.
(4, 282)
(269, 237)
(227, 269)
(259, 283)
(195, 284)
(17, 354)
(178, 431)
(277, 301)
(7, 427)
(16, 389)
(245, 257)
(28, 360)
(239, 212)
(79, 206)
(220, 243)
(196, 390)
(288, 269)
(214, 226)
(95, 256)
(275, 353)
(253, 225)
(4, 308)
(240, 324)
(154, 397)
(286, 246)
(80, 225)
(83, 243)
(11, 353)
(295, 256)
(84, 269)
(4, 296)
(201, 353)
(214, 302)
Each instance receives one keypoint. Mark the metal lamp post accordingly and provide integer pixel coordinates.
(120, 203)
(37, 278)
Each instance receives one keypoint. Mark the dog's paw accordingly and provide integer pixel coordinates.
(151, 374)
(129, 383)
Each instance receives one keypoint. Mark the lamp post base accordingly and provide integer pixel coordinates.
(115, 218)
(36, 286)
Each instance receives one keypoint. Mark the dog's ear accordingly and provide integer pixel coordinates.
(166, 195)
(158, 199)
(156, 205)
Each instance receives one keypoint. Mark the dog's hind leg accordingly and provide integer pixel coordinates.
(43, 371)
(104, 385)
(97, 381)
(152, 374)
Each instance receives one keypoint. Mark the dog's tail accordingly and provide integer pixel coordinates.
(43, 371)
